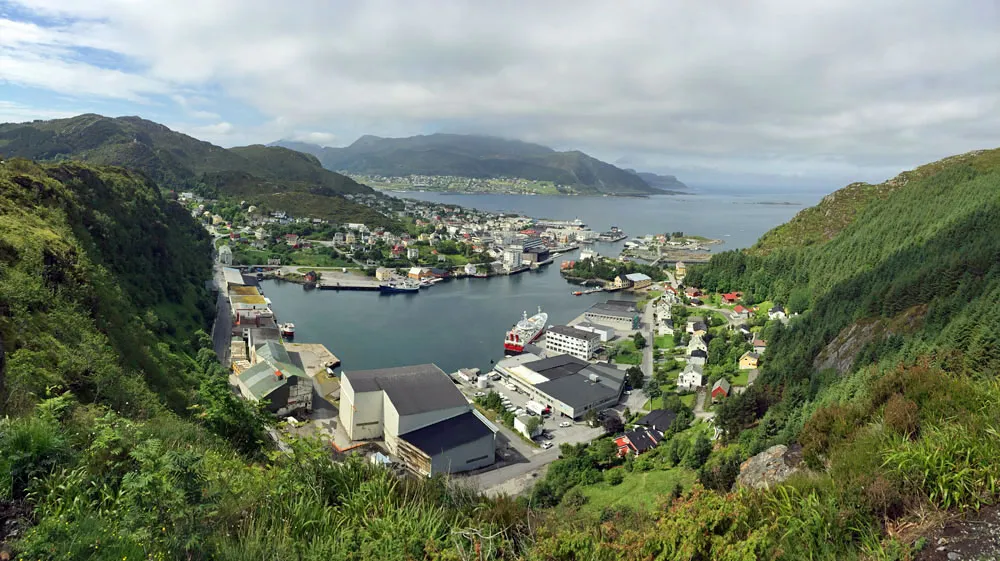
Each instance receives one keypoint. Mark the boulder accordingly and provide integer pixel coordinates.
(770, 467)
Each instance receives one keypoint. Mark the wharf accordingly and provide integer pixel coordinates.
(332, 280)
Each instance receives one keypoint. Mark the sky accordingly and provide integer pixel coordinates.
(757, 92)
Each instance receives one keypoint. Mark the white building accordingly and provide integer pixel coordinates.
(383, 274)
(561, 339)
(521, 426)
(568, 385)
(470, 269)
(690, 378)
(412, 253)
(512, 257)
(422, 416)
(605, 333)
(226, 255)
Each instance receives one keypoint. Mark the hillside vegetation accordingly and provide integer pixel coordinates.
(476, 157)
(179, 162)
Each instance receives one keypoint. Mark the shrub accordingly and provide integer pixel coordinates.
(575, 498)
(614, 477)
(901, 416)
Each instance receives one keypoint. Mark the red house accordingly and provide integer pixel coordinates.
(731, 297)
(721, 389)
(692, 292)
(637, 441)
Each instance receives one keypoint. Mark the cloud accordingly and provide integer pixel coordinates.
(775, 86)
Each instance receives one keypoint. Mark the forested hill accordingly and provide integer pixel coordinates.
(272, 176)
(119, 435)
(476, 157)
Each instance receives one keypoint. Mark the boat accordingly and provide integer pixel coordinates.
(393, 287)
(577, 293)
(525, 332)
(287, 329)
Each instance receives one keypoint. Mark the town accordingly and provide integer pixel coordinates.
(628, 370)
(456, 184)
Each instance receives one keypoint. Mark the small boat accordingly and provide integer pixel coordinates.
(287, 330)
(577, 293)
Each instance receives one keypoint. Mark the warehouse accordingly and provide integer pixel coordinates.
(561, 339)
(605, 333)
(567, 384)
(421, 415)
(275, 379)
(620, 314)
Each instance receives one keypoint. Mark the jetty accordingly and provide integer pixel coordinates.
(333, 280)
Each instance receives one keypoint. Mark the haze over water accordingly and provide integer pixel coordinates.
(461, 323)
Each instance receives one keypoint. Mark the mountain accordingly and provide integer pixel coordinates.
(662, 182)
(475, 156)
(177, 161)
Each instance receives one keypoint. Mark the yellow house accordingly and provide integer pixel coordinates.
(383, 274)
(749, 360)
(680, 270)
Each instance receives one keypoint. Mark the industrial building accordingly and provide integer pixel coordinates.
(275, 378)
(423, 418)
(605, 333)
(567, 384)
(561, 339)
(620, 314)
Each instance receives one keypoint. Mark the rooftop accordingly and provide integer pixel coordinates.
(659, 419)
(580, 390)
(573, 332)
(637, 277)
(232, 276)
(262, 379)
(619, 308)
(448, 434)
(721, 383)
(411, 389)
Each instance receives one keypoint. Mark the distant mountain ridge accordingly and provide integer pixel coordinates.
(662, 182)
(476, 156)
(291, 180)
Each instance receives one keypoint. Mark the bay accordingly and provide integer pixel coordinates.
(460, 323)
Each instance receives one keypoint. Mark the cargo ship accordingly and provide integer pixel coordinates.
(526, 331)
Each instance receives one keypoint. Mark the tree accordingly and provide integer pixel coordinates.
(613, 424)
(635, 377)
(640, 341)
(590, 417)
(653, 391)
(533, 425)
(698, 454)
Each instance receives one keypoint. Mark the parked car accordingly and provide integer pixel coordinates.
(480, 394)
(565, 424)
(519, 411)
(546, 445)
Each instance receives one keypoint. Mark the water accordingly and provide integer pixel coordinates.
(460, 323)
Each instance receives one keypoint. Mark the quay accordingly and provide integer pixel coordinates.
(333, 280)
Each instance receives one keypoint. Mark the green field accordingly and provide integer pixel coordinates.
(639, 490)
(741, 379)
(628, 354)
(664, 342)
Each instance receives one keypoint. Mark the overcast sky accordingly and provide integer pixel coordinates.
(784, 92)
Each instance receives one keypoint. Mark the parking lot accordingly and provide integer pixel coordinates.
(575, 433)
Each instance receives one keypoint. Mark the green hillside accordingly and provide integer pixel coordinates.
(476, 157)
(180, 162)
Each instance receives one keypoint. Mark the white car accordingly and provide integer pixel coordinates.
(565, 424)
(480, 394)
(519, 411)
(546, 445)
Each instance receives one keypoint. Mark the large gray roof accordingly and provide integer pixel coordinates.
(411, 389)
(618, 308)
(447, 434)
(577, 390)
(573, 332)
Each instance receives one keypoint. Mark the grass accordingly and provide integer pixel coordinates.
(741, 379)
(628, 354)
(639, 490)
(664, 342)
(689, 399)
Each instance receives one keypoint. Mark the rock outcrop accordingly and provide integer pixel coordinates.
(770, 467)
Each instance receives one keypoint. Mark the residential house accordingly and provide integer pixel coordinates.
(692, 292)
(721, 389)
(659, 419)
(749, 360)
(680, 271)
(665, 326)
(226, 255)
(740, 312)
(697, 342)
(698, 357)
(470, 269)
(759, 346)
(637, 441)
(692, 321)
(731, 297)
(690, 378)
(622, 281)
(412, 253)
(776, 312)
(744, 330)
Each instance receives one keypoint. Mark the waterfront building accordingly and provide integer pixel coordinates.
(567, 384)
(383, 274)
(560, 339)
(512, 257)
(638, 280)
(423, 418)
(274, 378)
(620, 314)
(226, 255)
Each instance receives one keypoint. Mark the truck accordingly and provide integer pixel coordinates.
(536, 408)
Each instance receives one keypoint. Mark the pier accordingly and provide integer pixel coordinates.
(333, 280)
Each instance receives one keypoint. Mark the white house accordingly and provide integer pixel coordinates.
(690, 378)
(776, 312)
(226, 255)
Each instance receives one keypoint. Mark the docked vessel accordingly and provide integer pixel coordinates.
(526, 331)
(287, 329)
(398, 287)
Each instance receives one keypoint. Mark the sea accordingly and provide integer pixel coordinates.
(460, 323)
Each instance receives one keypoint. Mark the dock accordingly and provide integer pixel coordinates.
(333, 280)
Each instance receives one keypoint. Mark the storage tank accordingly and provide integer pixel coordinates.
(482, 382)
